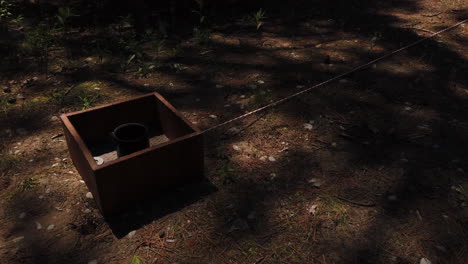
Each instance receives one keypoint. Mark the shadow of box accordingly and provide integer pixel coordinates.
(174, 158)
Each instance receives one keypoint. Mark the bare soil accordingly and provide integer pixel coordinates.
(369, 169)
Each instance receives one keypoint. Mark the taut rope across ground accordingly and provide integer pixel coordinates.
(285, 99)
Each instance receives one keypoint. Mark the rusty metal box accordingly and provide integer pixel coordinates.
(175, 156)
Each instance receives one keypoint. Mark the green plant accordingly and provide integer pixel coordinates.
(38, 41)
(337, 209)
(145, 69)
(7, 162)
(159, 45)
(261, 97)
(377, 36)
(29, 183)
(5, 9)
(460, 196)
(137, 260)
(5, 106)
(201, 35)
(226, 173)
(258, 18)
(88, 100)
(200, 10)
(64, 15)
(136, 54)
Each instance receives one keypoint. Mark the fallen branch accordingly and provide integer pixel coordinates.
(356, 203)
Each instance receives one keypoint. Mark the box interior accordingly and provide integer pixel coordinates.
(95, 126)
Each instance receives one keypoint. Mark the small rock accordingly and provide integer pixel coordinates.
(47, 190)
(50, 227)
(55, 165)
(308, 126)
(41, 197)
(264, 158)
(38, 225)
(170, 240)
(272, 176)
(35, 78)
(97, 88)
(235, 147)
(272, 159)
(284, 149)
(92, 261)
(313, 209)
(22, 215)
(408, 108)
(233, 130)
(260, 82)
(213, 116)
(81, 181)
(54, 118)
(441, 248)
(316, 182)
(18, 239)
(87, 211)
(131, 234)
(239, 224)
(219, 86)
(242, 96)
(146, 84)
(89, 195)
(20, 97)
(251, 215)
(425, 261)
(334, 144)
(99, 160)
(8, 132)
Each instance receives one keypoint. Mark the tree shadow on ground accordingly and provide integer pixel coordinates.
(379, 132)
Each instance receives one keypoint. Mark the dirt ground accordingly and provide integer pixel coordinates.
(369, 169)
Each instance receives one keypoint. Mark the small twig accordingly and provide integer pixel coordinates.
(57, 136)
(421, 29)
(433, 15)
(249, 125)
(69, 90)
(356, 203)
(324, 259)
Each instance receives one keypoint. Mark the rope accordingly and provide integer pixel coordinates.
(285, 99)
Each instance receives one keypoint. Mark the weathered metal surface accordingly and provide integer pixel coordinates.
(121, 182)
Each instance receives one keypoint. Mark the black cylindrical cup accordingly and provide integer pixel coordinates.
(130, 137)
